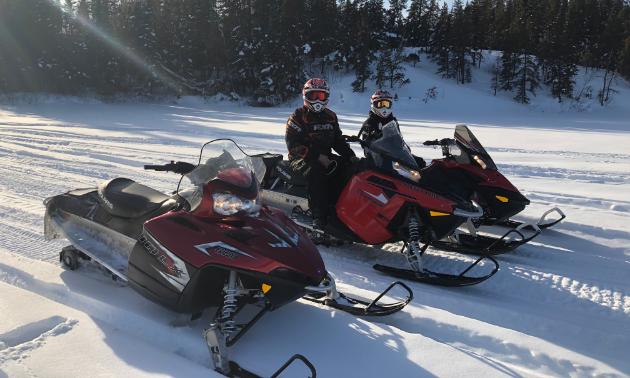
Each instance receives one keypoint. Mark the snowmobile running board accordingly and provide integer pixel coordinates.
(367, 308)
(439, 279)
(484, 245)
(515, 224)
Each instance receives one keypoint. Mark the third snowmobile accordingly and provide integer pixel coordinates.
(468, 170)
(384, 200)
(212, 244)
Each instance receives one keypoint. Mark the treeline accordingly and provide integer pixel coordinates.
(266, 49)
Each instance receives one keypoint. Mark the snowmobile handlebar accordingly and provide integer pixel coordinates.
(443, 142)
(179, 167)
(356, 139)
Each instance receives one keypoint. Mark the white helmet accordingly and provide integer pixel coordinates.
(382, 103)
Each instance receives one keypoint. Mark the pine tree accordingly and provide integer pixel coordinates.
(461, 41)
(346, 41)
(363, 54)
(428, 23)
(525, 64)
(480, 19)
(607, 52)
(389, 69)
(440, 47)
(413, 23)
(558, 55)
(394, 23)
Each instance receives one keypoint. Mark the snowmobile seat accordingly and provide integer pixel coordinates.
(126, 198)
(286, 173)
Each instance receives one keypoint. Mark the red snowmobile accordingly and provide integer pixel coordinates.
(212, 244)
(384, 200)
(468, 170)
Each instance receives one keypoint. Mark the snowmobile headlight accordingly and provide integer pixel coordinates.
(230, 204)
(407, 172)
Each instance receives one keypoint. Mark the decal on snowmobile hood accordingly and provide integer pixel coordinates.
(177, 274)
(222, 249)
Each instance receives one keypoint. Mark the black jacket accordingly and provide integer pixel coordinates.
(310, 134)
(373, 125)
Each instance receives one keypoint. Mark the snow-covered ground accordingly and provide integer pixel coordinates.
(559, 306)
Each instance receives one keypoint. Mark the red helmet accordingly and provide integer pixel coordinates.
(315, 94)
(382, 103)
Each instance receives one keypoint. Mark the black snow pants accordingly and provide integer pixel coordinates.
(321, 189)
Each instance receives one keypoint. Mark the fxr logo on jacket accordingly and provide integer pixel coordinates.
(326, 126)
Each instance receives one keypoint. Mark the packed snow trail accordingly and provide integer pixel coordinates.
(559, 306)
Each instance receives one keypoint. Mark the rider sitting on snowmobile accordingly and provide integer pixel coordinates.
(379, 116)
(312, 133)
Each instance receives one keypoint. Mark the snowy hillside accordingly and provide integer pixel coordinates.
(559, 306)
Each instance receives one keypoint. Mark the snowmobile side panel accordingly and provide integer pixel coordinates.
(284, 202)
(379, 209)
(357, 208)
(157, 269)
(93, 239)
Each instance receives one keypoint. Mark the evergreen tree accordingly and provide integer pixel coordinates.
(440, 47)
(413, 23)
(363, 54)
(394, 22)
(428, 23)
(348, 30)
(389, 69)
(461, 42)
(480, 20)
(558, 55)
(525, 65)
(607, 52)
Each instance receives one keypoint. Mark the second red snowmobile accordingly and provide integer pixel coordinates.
(384, 200)
(468, 170)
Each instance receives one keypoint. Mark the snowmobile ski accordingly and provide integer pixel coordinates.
(540, 224)
(362, 308)
(439, 279)
(485, 245)
(239, 372)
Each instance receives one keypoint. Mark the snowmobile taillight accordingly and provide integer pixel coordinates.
(236, 176)
(226, 203)
(407, 172)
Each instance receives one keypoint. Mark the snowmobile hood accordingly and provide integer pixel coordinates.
(261, 242)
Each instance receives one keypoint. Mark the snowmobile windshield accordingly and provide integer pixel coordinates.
(469, 150)
(222, 159)
(392, 145)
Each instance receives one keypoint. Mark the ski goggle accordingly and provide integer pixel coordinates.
(383, 104)
(316, 95)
